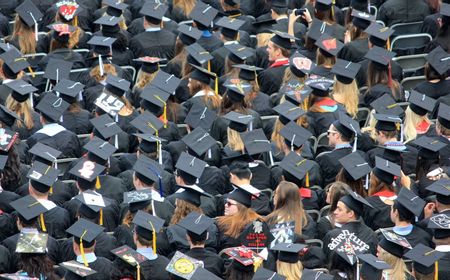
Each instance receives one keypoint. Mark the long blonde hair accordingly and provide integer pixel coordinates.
(233, 225)
(292, 271)
(23, 109)
(234, 140)
(399, 271)
(107, 69)
(144, 78)
(25, 36)
(347, 94)
(186, 5)
(412, 120)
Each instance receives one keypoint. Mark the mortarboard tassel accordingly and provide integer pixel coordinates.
(307, 179)
(116, 137)
(366, 183)
(292, 143)
(388, 44)
(101, 217)
(257, 263)
(44, 228)
(160, 159)
(332, 7)
(358, 273)
(138, 271)
(164, 110)
(100, 64)
(31, 100)
(97, 183)
(36, 29)
(209, 65)
(389, 75)
(153, 237)
(75, 21)
(436, 270)
(82, 249)
(216, 85)
(209, 153)
(160, 184)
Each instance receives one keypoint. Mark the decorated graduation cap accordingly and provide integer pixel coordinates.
(86, 171)
(297, 167)
(196, 224)
(84, 234)
(362, 20)
(199, 141)
(310, 274)
(198, 55)
(282, 39)
(149, 172)
(407, 201)
(203, 75)
(239, 122)
(105, 127)
(439, 59)
(203, 274)
(379, 35)
(42, 176)
(349, 248)
(444, 115)
(386, 170)
(147, 123)
(191, 165)
(147, 226)
(150, 64)
(29, 208)
(200, 116)
(355, 202)
(385, 104)
(389, 123)
(288, 252)
(68, 10)
(188, 34)
(61, 32)
(357, 167)
(13, 63)
(423, 258)
(138, 200)
(393, 243)
(345, 71)
(7, 116)
(108, 103)
(114, 7)
(421, 104)
(440, 223)
(92, 204)
(320, 86)
(295, 135)
(131, 257)
(75, 270)
(442, 189)
(256, 142)
(237, 89)
(58, 69)
(203, 14)
(372, 267)
(52, 107)
(318, 28)
(265, 274)
(429, 147)
(21, 90)
(300, 65)
(99, 150)
(30, 15)
(110, 25)
(31, 241)
(183, 266)
(328, 45)
(380, 57)
(244, 258)
(296, 92)
(239, 53)
(230, 26)
(348, 127)
(154, 11)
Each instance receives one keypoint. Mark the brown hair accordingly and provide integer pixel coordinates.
(234, 224)
(74, 107)
(375, 76)
(107, 69)
(25, 36)
(284, 52)
(213, 99)
(182, 210)
(128, 218)
(23, 109)
(75, 36)
(144, 78)
(356, 186)
(324, 60)
(185, 5)
(376, 185)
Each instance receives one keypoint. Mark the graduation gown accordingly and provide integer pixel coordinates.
(61, 192)
(378, 91)
(398, 11)
(445, 152)
(322, 71)
(104, 267)
(176, 236)
(213, 262)
(324, 226)
(77, 122)
(270, 79)
(104, 243)
(5, 259)
(66, 55)
(314, 174)
(168, 182)
(57, 220)
(154, 269)
(355, 51)
(209, 41)
(8, 225)
(198, 99)
(156, 43)
(111, 187)
(262, 104)
(378, 216)
(24, 132)
(207, 204)
(434, 90)
(319, 122)
(408, 162)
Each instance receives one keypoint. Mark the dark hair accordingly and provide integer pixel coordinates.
(36, 265)
(280, 11)
(241, 170)
(339, 190)
(11, 172)
(187, 178)
(197, 239)
(336, 265)
(356, 185)
(404, 215)
(232, 273)
(424, 165)
(227, 105)
(432, 74)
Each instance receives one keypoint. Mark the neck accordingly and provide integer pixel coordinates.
(240, 182)
(401, 224)
(197, 246)
(383, 141)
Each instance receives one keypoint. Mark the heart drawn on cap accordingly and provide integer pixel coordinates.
(302, 63)
(329, 44)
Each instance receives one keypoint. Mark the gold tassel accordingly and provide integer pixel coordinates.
(31, 72)
(332, 8)
(209, 65)
(257, 263)
(75, 21)
(398, 125)
(97, 183)
(138, 272)
(101, 217)
(153, 237)
(164, 111)
(436, 270)
(216, 85)
(82, 249)
(388, 44)
(51, 190)
(307, 179)
(44, 229)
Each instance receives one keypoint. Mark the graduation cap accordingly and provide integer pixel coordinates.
(323, 5)
(203, 14)
(110, 24)
(439, 59)
(61, 31)
(150, 64)
(282, 39)
(296, 92)
(102, 45)
(7, 140)
(191, 165)
(320, 86)
(345, 71)
(147, 171)
(105, 127)
(196, 223)
(165, 81)
(265, 274)
(147, 123)
(409, 202)
(362, 20)
(31, 241)
(99, 150)
(239, 122)
(200, 116)
(310, 274)
(52, 107)
(155, 101)
(21, 90)
(239, 53)
(328, 45)
(444, 9)
(429, 147)
(279, 3)
(6, 47)
(199, 141)
(7, 116)
(115, 8)
(288, 252)
(420, 103)
(288, 112)
(380, 56)
(230, 26)
(15, 276)
(92, 204)
(203, 274)
(378, 34)
(77, 269)
(28, 208)
(248, 72)
(29, 14)
(84, 234)
(386, 170)
(237, 89)
(57, 69)
(13, 62)
(116, 85)
(150, 144)
(188, 34)
(183, 266)
(388, 123)
(423, 258)
(69, 90)
(372, 267)
(264, 25)
(444, 115)
(347, 126)
(68, 9)
(393, 243)
(109, 103)
(441, 225)
(297, 166)
(244, 256)
(199, 55)
(137, 200)
(387, 105)
(42, 176)
(154, 11)
(300, 65)
(318, 28)
(356, 166)
(355, 202)
(147, 226)
(294, 135)
(130, 256)
(442, 189)
(243, 195)
(256, 142)
(203, 75)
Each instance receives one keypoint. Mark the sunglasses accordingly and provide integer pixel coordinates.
(229, 204)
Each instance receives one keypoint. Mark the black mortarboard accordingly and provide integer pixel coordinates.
(380, 56)
(239, 122)
(423, 257)
(87, 170)
(198, 53)
(386, 170)
(57, 69)
(387, 122)
(239, 53)
(346, 126)
(149, 142)
(323, 5)
(29, 13)
(264, 25)
(13, 62)
(429, 147)
(75, 268)
(42, 176)
(230, 26)
(31, 241)
(345, 71)
(444, 9)
(318, 28)
(188, 34)
(288, 252)
(199, 141)
(295, 135)
(310, 274)
(441, 225)
(200, 116)
(61, 31)
(355, 165)
(116, 85)
(154, 11)
(191, 194)
(52, 106)
(165, 81)
(28, 207)
(21, 90)
(6, 47)
(237, 89)
(149, 64)
(85, 231)
(378, 34)
(137, 200)
(300, 65)
(444, 115)
(115, 7)
(99, 150)
(420, 103)
(7, 116)
(410, 202)
(288, 112)
(372, 267)
(355, 202)
(196, 223)
(282, 39)
(255, 142)
(442, 189)
(320, 86)
(110, 25)
(47, 153)
(203, 14)
(147, 224)
(102, 45)
(69, 89)
(203, 274)
(93, 201)
(247, 72)
(105, 126)
(202, 75)
(328, 45)
(393, 243)
(387, 105)
(129, 255)
(295, 165)
(439, 59)
(191, 165)
(147, 171)
(242, 195)
(362, 20)
(154, 99)
(147, 123)
(265, 274)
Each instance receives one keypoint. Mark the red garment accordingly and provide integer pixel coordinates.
(423, 127)
(384, 193)
(281, 62)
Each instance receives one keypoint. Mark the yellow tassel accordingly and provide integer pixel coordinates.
(51, 190)
(97, 183)
(436, 271)
(75, 21)
(398, 126)
(388, 44)
(31, 72)
(101, 217)
(82, 249)
(153, 237)
(164, 111)
(257, 263)
(307, 179)
(209, 65)
(138, 272)
(44, 229)
(216, 86)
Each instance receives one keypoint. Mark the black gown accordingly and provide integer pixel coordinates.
(57, 220)
(65, 141)
(176, 236)
(104, 243)
(319, 122)
(314, 174)
(378, 216)
(361, 77)
(104, 267)
(213, 262)
(77, 122)
(127, 161)
(5, 260)
(378, 91)
(66, 55)
(24, 132)
(6, 197)
(157, 44)
(270, 79)
(61, 192)
(434, 90)
(175, 148)
(210, 42)
(355, 50)
(155, 269)
(163, 209)
(168, 182)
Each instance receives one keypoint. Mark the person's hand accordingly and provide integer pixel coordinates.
(293, 18)
(307, 16)
(405, 181)
(428, 210)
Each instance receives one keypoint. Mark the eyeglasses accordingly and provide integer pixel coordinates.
(331, 132)
(229, 204)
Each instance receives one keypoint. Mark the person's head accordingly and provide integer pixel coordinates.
(343, 214)
(38, 190)
(236, 217)
(400, 214)
(398, 267)
(324, 12)
(150, 22)
(142, 182)
(10, 174)
(383, 136)
(355, 185)
(347, 94)
(197, 240)
(25, 36)
(276, 12)
(183, 178)
(275, 52)
(88, 247)
(290, 270)
(182, 209)
(335, 191)
(335, 137)
(442, 130)
(240, 172)
(379, 181)
(432, 74)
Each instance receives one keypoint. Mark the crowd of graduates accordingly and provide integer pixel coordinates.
(223, 139)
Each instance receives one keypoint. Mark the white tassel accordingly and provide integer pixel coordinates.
(36, 29)
(100, 64)
(401, 132)
(116, 141)
(31, 100)
(357, 269)
(251, 126)
(160, 154)
(80, 96)
(355, 144)
(271, 158)
(209, 153)
(366, 184)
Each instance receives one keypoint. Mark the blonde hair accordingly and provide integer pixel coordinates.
(107, 69)
(292, 271)
(370, 128)
(186, 5)
(23, 109)
(324, 60)
(288, 75)
(412, 120)
(25, 35)
(234, 140)
(398, 270)
(347, 94)
(263, 39)
(144, 78)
